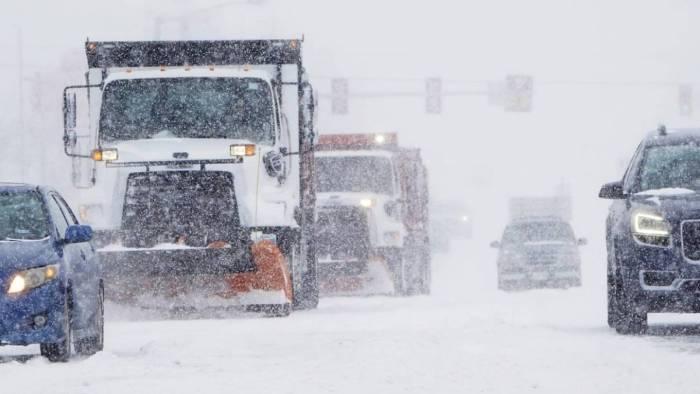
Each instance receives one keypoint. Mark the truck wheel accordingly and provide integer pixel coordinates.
(91, 345)
(630, 321)
(307, 292)
(61, 351)
(396, 262)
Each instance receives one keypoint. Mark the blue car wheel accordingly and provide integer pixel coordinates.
(61, 351)
(91, 345)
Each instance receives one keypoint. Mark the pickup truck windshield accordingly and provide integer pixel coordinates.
(523, 233)
(22, 216)
(232, 108)
(670, 166)
(354, 174)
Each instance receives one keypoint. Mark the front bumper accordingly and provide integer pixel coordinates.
(17, 323)
(661, 279)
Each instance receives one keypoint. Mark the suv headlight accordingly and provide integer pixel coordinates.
(651, 228)
(33, 278)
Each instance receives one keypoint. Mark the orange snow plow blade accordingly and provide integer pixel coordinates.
(271, 274)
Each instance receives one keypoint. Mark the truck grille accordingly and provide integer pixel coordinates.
(690, 235)
(162, 207)
(342, 234)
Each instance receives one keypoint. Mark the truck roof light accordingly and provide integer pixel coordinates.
(242, 150)
(357, 141)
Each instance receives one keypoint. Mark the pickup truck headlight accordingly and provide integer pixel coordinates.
(32, 278)
(651, 228)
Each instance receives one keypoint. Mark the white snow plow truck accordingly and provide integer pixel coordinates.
(372, 216)
(193, 160)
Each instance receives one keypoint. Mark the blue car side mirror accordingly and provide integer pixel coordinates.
(77, 234)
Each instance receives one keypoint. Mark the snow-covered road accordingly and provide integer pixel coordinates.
(466, 337)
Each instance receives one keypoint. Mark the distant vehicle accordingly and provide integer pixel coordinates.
(539, 251)
(653, 231)
(196, 170)
(372, 206)
(449, 221)
(50, 276)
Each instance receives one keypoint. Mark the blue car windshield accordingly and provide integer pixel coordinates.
(22, 216)
(670, 166)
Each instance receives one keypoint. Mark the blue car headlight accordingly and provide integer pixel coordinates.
(32, 278)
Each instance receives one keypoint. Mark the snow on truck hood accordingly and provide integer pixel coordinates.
(161, 149)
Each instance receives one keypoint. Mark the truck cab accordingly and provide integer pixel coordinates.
(369, 208)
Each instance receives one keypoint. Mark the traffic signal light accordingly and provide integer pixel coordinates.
(433, 95)
(685, 99)
(518, 93)
(339, 96)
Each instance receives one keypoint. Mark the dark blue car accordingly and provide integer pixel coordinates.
(653, 231)
(50, 277)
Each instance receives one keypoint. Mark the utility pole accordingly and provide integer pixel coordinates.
(20, 83)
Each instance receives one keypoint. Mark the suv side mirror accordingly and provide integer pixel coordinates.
(582, 241)
(612, 191)
(78, 233)
(495, 245)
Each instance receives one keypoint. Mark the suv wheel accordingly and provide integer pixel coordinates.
(613, 313)
(630, 321)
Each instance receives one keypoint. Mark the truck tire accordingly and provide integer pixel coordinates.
(397, 265)
(630, 321)
(306, 294)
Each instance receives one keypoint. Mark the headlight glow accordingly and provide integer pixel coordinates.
(366, 203)
(650, 224)
(33, 278)
(242, 150)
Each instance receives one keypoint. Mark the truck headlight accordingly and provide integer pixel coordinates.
(105, 155)
(242, 150)
(651, 228)
(32, 278)
(366, 203)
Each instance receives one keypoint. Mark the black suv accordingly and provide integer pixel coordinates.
(653, 231)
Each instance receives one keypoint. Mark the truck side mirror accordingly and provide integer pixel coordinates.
(70, 137)
(612, 191)
(582, 242)
(495, 245)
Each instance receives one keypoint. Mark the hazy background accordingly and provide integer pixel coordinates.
(605, 73)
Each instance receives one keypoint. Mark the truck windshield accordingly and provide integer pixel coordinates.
(354, 174)
(534, 232)
(232, 108)
(670, 166)
(22, 216)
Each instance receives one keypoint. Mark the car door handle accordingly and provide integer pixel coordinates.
(82, 255)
